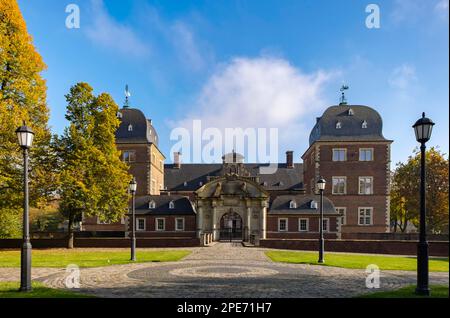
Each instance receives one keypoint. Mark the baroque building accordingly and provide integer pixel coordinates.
(234, 200)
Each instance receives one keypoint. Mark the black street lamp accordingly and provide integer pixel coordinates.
(422, 128)
(321, 186)
(132, 188)
(25, 136)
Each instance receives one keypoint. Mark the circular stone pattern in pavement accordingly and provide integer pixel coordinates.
(223, 272)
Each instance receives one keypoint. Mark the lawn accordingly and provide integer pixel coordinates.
(86, 258)
(357, 260)
(10, 290)
(437, 291)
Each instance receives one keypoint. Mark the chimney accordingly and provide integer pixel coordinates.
(176, 160)
(289, 159)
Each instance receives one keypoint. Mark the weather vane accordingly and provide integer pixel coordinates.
(127, 95)
(343, 99)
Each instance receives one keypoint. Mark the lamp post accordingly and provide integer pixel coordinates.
(321, 186)
(422, 128)
(25, 136)
(132, 188)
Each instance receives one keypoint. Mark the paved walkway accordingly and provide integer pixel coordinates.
(224, 270)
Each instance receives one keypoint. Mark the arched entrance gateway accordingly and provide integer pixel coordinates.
(232, 207)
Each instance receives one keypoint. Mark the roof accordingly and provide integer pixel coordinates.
(182, 205)
(142, 128)
(351, 119)
(281, 205)
(195, 175)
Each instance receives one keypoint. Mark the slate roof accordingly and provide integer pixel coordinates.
(281, 205)
(182, 205)
(192, 173)
(143, 131)
(351, 125)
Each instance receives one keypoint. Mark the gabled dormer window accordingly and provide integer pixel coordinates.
(338, 125)
(119, 115)
(130, 127)
(151, 204)
(292, 204)
(171, 205)
(351, 112)
(200, 183)
(265, 184)
(313, 204)
(364, 124)
(185, 183)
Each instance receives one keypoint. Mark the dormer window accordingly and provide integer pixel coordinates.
(338, 125)
(292, 204)
(130, 127)
(351, 112)
(151, 204)
(265, 183)
(119, 115)
(364, 124)
(171, 205)
(185, 183)
(200, 183)
(313, 204)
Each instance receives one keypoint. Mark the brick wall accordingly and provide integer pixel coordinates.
(150, 226)
(294, 233)
(140, 168)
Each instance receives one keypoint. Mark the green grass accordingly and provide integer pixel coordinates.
(11, 290)
(357, 261)
(437, 291)
(83, 258)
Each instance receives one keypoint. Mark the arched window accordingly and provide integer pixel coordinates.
(313, 204)
(338, 125)
(364, 124)
(351, 112)
(130, 127)
(151, 204)
(185, 183)
(200, 183)
(171, 205)
(119, 115)
(292, 204)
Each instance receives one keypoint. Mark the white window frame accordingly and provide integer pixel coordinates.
(287, 224)
(176, 224)
(171, 205)
(156, 224)
(338, 125)
(130, 127)
(292, 204)
(345, 185)
(371, 185)
(364, 125)
(152, 204)
(339, 149)
(307, 224)
(327, 221)
(343, 218)
(137, 224)
(365, 216)
(366, 149)
(129, 152)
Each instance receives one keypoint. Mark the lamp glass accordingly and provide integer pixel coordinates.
(133, 185)
(321, 184)
(25, 136)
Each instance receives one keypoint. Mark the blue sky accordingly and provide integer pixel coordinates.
(252, 63)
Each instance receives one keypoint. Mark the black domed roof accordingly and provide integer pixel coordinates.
(135, 128)
(348, 123)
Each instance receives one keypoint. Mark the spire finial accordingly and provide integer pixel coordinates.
(343, 99)
(127, 95)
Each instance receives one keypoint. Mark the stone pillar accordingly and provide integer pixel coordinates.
(249, 223)
(214, 224)
(263, 221)
(199, 221)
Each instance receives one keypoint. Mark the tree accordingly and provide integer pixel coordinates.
(405, 192)
(93, 178)
(22, 98)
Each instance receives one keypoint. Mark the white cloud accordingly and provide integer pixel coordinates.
(262, 92)
(404, 11)
(403, 77)
(441, 8)
(108, 32)
(186, 46)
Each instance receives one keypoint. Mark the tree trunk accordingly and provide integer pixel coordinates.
(70, 237)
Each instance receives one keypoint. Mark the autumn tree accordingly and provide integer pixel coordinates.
(405, 192)
(22, 98)
(93, 178)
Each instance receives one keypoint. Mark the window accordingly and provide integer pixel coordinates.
(339, 185)
(339, 154)
(153, 185)
(365, 154)
(140, 224)
(119, 115)
(303, 225)
(130, 127)
(365, 185)
(313, 205)
(171, 205)
(200, 183)
(151, 204)
(342, 213)
(351, 112)
(160, 224)
(129, 156)
(185, 183)
(338, 125)
(364, 124)
(154, 158)
(292, 204)
(160, 164)
(179, 224)
(365, 216)
(325, 225)
(282, 225)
